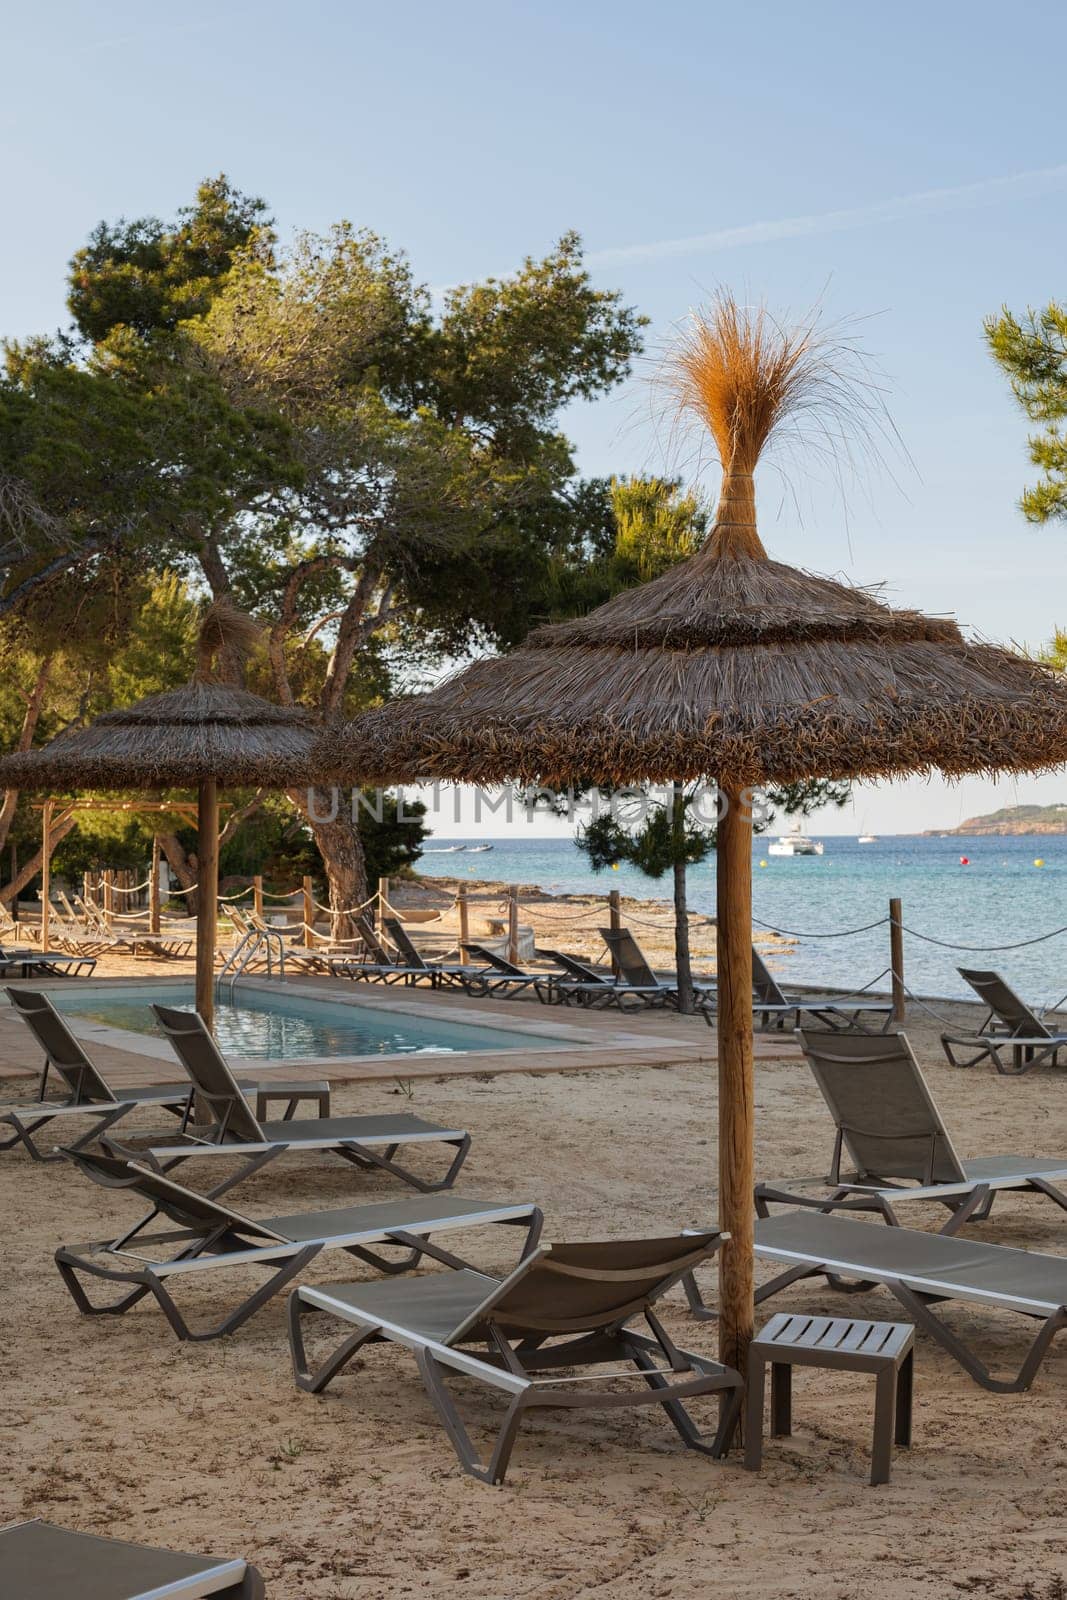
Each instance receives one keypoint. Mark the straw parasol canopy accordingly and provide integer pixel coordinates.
(207, 734)
(735, 668)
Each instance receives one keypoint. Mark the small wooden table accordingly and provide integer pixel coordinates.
(311, 1089)
(884, 1348)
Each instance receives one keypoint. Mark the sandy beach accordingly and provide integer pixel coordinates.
(356, 1495)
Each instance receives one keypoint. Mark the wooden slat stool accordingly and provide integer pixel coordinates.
(884, 1348)
(316, 1089)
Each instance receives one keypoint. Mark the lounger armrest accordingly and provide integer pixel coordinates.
(865, 1200)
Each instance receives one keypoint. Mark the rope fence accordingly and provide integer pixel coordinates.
(516, 918)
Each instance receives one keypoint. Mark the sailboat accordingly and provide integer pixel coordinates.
(867, 838)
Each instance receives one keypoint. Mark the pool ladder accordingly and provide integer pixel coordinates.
(253, 944)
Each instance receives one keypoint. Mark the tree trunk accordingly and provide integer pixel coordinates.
(29, 870)
(682, 962)
(341, 849)
(184, 868)
(31, 717)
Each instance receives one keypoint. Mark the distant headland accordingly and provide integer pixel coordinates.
(1011, 820)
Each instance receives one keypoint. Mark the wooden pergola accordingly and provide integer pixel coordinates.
(56, 812)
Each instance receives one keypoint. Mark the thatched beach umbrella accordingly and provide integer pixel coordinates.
(736, 668)
(209, 734)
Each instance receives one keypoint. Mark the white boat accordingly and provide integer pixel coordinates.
(867, 838)
(478, 849)
(795, 843)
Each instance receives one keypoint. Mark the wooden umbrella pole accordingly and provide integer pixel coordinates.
(736, 1089)
(153, 887)
(46, 876)
(207, 914)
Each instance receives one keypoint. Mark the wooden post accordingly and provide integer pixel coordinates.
(733, 863)
(153, 887)
(14, 875)
(257, 896)
(382, 905)
(46, 875)
(464, 916)
(614, 923)
(309, 912)
(207, 901)
(896, 958)
(513, 922)
(109, 897)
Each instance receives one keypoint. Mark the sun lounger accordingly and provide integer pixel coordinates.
(636, 987)
(208, 1236)
(90, 1095)
(447, 974)
(39, 1561)
(501, 977)
(924, 1270)
(377, 966)
(583, 1294)
(21, 962)
(837, 1012)
(571, 970)
(1010, 1030)
(234, 1131)
(889, 1124)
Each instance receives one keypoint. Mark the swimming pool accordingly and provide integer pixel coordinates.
(293, 1027)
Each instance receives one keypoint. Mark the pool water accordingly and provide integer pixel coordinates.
(293, 1027)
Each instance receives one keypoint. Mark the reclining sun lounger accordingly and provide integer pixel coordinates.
(584, 1294)
(888, 1122)
(236, 1132)
(39, 1561)
(636, 986)
(379, 967)
(90, 1095)
(208, 1236)
(499, 976)
(837, 1012)
(21, 962)
(1010, 1029)
(923, 1270)
(448, 974)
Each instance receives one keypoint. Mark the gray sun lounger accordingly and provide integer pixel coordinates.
(924, 1270)
(234, 1131)
(582, 1294)
(1011, 1029)
(888, 1122)
(207, 1236)
(499, 976)
(88, 1092)
(377, 966)
(455, 974)
(636, 987)
(39, 1561)
(837, 1012)
(20, 962)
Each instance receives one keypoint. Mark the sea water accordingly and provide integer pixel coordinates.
(999, 898)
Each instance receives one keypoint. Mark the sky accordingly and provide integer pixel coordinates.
(902, 166)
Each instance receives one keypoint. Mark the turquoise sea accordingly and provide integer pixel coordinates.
(1000, 898)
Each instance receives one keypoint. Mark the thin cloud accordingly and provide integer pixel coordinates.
(926, 201)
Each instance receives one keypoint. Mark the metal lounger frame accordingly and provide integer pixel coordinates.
(225, 1238)
(237, 1132)
(918, 1292)
(1010, 1026)
(516, 1352)
(937, 1172)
